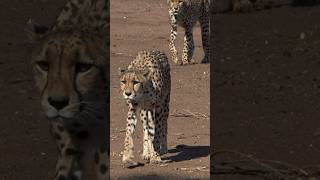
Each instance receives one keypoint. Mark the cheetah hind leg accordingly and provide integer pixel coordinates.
(188, 48)
(205, 35)
(163, 140)
(155, 143)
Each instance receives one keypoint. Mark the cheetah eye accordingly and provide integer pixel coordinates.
(123, 82)
(136, 82)
(43, 65)
(83, 67)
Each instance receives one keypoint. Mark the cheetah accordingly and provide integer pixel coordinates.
(69, 65)
(145, 86)
(186, 13)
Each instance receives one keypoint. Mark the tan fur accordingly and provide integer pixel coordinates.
(145, 86)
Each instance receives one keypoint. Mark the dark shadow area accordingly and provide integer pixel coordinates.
(186, 152)
(306, 3)
(156, 177)
(265, 81)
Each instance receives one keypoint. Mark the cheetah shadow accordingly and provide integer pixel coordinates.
(185, 152)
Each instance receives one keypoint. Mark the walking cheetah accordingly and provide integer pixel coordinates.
(186, 13)
(69, 63)
(145, 85)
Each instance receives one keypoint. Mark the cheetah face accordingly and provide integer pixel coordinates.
(175, 5)
(132, 83)
(67, 70)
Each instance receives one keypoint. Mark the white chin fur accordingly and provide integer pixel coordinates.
(51, 113)
(66, 114)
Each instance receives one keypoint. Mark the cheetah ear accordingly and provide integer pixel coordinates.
(35, 31)
(121, 71)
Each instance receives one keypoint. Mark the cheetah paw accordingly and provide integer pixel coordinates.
(145, 156)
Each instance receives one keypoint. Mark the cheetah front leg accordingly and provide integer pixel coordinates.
(128, 156)
(188, 45)
(67, 166)
(154, 141)
(205, 33)
(155, 130)
(164, 132)
(172, 46)
(146, 143)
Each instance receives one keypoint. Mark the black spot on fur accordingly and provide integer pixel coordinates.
(39, 29)
(96, 157)
(62, 177)
(62, 168)
(103, 168)
(57, 136)
(76, 124)
(66, 8)
(70, 151)
(82, 135)
(73, 177)
(74, 8)
(60, 128)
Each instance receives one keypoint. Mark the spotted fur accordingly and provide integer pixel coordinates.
(186, 13)
(69, 63)
(145, 86)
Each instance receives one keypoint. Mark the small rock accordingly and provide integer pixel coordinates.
(302, 35)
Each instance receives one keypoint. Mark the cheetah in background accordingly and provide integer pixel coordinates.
(186, 13)
(69, 64)
(145, 85)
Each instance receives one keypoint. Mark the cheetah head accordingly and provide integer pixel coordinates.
(175, 5)
(68, 69)
(132, 83)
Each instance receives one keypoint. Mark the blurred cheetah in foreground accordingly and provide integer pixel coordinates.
(186, 13)
(145, 85)
(69, 63)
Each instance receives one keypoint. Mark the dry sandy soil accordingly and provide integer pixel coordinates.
(265, 83)
(142, 24)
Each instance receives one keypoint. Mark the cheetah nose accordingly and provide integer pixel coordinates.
(58, 103)
(128, 93)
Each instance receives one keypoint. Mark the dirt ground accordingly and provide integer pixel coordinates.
(142, 24)
(265, 83)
